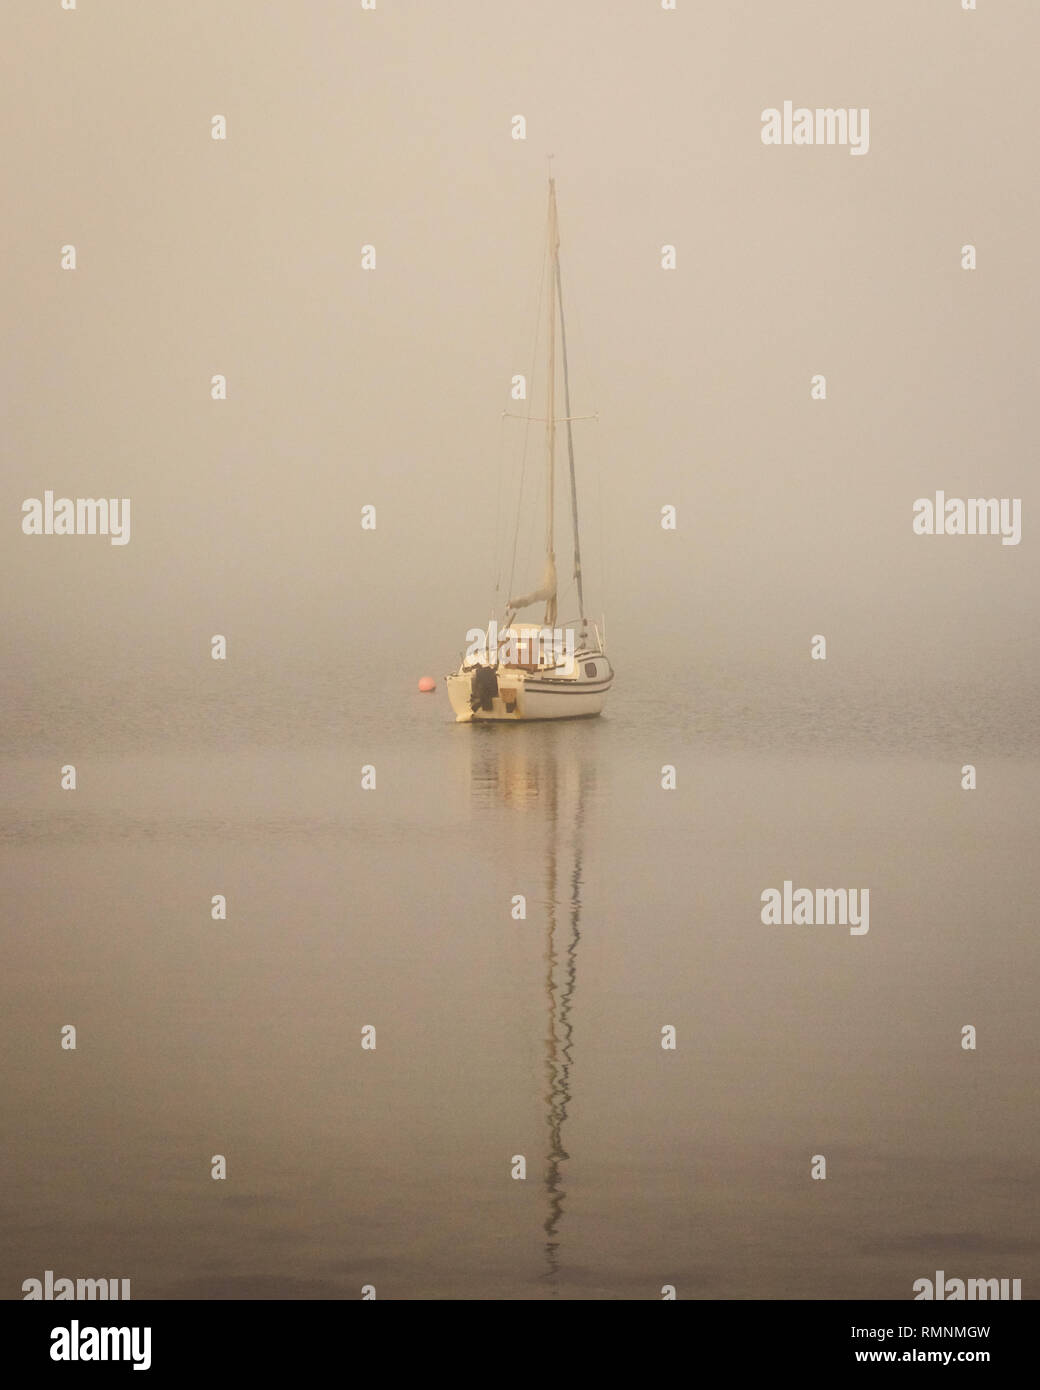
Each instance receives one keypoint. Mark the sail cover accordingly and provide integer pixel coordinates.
(546, 590)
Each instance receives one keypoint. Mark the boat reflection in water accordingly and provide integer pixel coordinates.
(549, 772)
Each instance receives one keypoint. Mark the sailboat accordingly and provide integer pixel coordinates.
(540, 669)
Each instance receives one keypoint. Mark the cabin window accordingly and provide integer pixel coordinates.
(590, 669)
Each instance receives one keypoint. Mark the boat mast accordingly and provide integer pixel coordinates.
(570, 444)
(550, 414)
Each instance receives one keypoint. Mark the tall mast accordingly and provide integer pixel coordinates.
(570, 441)
(551, 423)
(550, 414)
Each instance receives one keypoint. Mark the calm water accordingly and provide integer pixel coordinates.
(498, 1037)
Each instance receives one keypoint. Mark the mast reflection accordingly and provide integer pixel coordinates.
(548, 771)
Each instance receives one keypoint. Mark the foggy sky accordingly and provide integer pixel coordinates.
(345, 387)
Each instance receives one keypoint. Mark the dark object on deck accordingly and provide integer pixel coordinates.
(483, 688)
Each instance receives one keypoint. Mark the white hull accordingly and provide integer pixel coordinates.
(526, 695)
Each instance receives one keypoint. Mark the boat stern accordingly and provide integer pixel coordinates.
(481, 694)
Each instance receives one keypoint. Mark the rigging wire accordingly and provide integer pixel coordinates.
(496, 555)
(585, 358)
(527, 421)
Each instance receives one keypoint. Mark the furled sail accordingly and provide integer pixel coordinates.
(546, 590)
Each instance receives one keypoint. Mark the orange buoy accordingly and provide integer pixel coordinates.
(427, 684)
